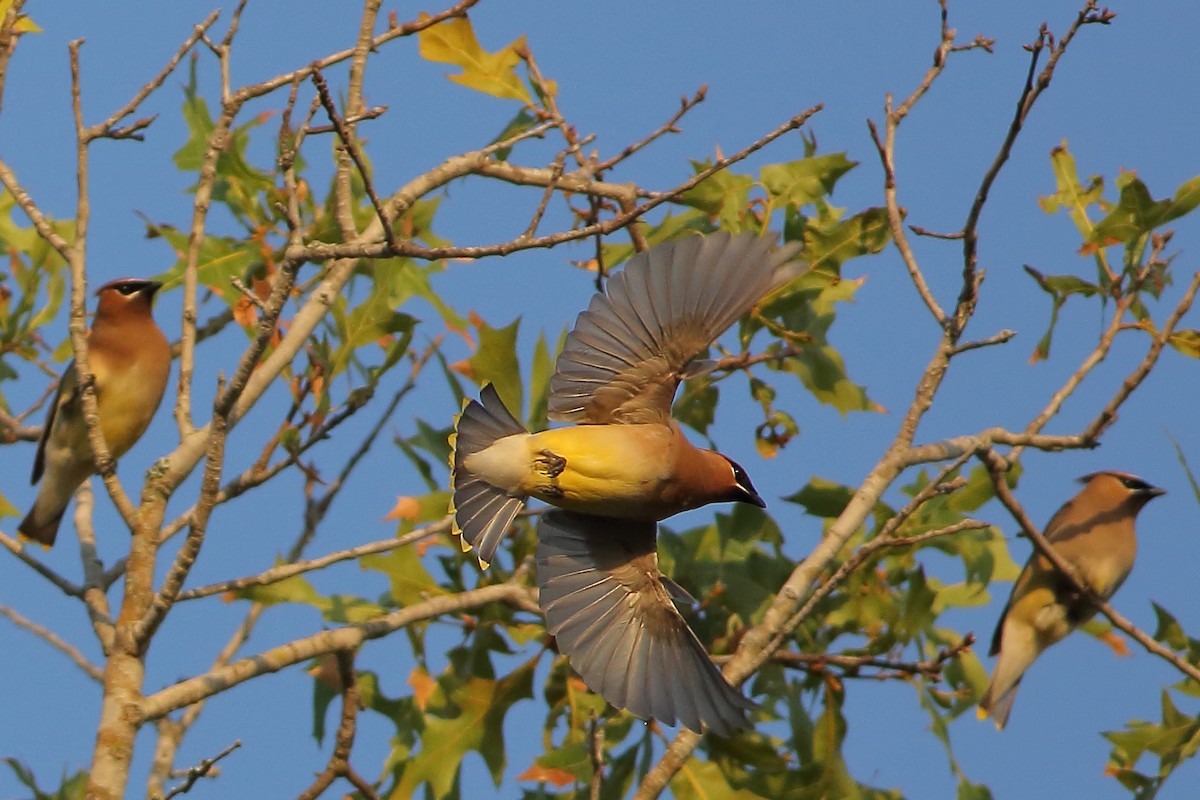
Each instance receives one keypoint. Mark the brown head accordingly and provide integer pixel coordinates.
(1117, 490)
(126, 297)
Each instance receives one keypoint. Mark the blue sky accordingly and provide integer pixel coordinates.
(1123, 99)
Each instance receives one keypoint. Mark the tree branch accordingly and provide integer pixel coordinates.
(349, 637)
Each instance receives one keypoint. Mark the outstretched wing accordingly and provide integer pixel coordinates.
(632, 346)
(612, 613)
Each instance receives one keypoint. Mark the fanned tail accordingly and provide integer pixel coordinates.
(482, 512)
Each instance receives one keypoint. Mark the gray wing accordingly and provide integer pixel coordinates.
(632, 346)
(64, 394)
(610, 609)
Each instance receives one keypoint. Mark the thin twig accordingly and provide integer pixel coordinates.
(54, 640)
(351, 148)
(199, 771)
(339, 759)
(686, 104)
(106, 128)
(851, 666)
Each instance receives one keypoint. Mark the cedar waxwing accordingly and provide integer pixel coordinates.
(130, 359)
(623, 467)
(1094, 532)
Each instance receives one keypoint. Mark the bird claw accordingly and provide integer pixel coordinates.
(550, 464)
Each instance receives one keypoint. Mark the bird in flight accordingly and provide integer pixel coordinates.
(620, 468)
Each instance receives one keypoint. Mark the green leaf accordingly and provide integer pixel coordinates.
(1168, 630)
(410, 582)
(1076, 199)
(220, 259)
(697, 404)
(822, 498)
(806, 309)
(238, 185)
(704, 780)
(454, 42)
(73, 787)
(1137, 213)
(463, 716)
(1072, 196)
(827, 245)
(495, 361)
(334, 608)
(1186, 342)
(797, 183)
(372, 321)
(1059, 287)
(821, 369)
(724, 197)
(522, 122)
(540, 373)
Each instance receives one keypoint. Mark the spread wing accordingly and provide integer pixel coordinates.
(613, 615)
(632, 346)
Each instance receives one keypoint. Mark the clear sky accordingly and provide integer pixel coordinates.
(1124, 99)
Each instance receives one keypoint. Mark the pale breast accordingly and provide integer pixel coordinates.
(127, 399)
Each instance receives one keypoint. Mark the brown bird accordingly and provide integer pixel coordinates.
(130, 359)
(625, 465)
(1094, 532)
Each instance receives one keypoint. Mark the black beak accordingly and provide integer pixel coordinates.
(743, 490)
(750, 496)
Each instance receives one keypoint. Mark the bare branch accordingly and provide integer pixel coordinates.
(55, 641)
(107, 129)
(686, 104)
(851, 666)
(339, 759)
(349, 637)
(201, 770)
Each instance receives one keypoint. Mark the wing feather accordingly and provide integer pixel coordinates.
(632, 346)
(613, 616)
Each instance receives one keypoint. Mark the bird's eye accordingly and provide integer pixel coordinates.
(127, 288)
(1135, 484)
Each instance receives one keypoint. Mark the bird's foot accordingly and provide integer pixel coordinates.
(550, 464)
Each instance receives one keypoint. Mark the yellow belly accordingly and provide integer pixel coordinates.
(610, 470)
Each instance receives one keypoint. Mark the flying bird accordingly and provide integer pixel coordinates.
(1094, 532)
(130, 359)
(623, 466)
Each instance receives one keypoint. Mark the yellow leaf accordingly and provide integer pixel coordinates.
(406, 508)
(1115, 641)
(454, 42)
(423, 685)
(23, 24)
(552, 775)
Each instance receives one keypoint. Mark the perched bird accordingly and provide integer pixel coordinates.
(130, 359)
(1094, 532)
(625, 465)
